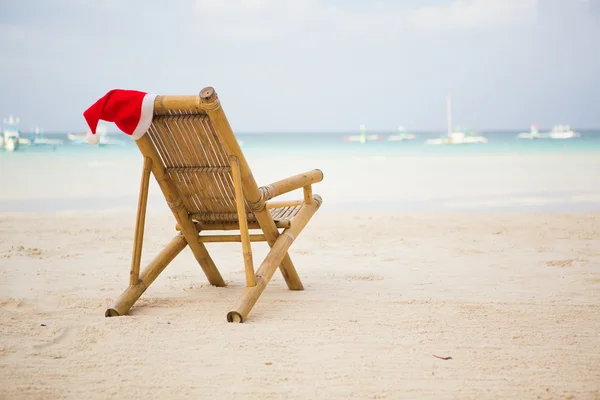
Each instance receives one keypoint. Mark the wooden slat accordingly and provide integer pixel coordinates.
(224, 184)
(229, 238)
(187, 130)
(194, 159)
(233, 226)
(198, 170)
(284, 213)
(215, 184)
(279, 214)
(164, 135)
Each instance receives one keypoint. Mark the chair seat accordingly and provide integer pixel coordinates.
(281, 215)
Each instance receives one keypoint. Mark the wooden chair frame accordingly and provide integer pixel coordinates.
(246, 192)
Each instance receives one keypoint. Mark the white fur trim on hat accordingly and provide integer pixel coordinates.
(145, 116)
(92, 138)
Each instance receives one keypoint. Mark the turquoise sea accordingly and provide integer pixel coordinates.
(332, 142)
(505, 174)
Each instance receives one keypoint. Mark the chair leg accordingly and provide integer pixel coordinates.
(138, 238)
(206, 263)
(290, 275)
(265, 272)
(243, 221)
(148, 275)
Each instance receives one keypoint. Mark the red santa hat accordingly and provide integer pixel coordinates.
(130, 110)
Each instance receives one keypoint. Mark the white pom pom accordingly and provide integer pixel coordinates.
(91, 138)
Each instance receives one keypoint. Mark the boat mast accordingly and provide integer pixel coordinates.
(449, 114)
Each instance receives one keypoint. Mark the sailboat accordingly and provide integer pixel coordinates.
(455, 136)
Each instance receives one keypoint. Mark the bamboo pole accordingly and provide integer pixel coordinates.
(138, 237)
(308, 196)
(229, 238)
(209, 102)
(292, 183)
(250, 295)
(149, 274)
(243, 221)
(174, 201)
(164, 104)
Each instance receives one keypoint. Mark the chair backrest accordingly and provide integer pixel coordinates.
(192, 151)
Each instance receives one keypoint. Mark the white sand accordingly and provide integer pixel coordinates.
(513, 299)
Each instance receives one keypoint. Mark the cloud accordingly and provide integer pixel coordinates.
(271, 19)
(256, 19)
(474, 14)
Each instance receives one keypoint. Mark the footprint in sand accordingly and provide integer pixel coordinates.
(365, 254)
(301, 252)
(469, 251)
(177, 277)
(560, 263)
(22, 251)
(364, 277)
(56, 336)
(69, 339)
(11, 304)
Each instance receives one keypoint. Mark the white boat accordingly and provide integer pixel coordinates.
(557, 132)
(363, 137)
(455, 136)
(78, 139)
(402, 135)
(458, 138)
(533, 133)
(562, 132)
(10, 137)
(101, 136)
(40, 140)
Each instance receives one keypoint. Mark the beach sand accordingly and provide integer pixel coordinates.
(513, 299)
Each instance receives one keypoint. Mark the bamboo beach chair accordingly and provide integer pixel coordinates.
(195, 158)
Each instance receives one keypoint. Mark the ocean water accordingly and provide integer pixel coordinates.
(505, 174)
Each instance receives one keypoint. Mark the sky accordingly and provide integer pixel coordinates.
(309, 65)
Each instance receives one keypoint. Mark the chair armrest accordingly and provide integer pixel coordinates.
(292, 183)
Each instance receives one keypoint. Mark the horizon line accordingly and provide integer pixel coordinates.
(330, 132)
